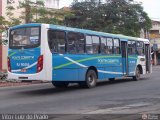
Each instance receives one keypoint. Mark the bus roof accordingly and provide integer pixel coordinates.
(58, 27)
(98, 33)
(26, 25)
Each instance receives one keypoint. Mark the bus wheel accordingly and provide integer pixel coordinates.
(137, 76)
(60, 84)
(91, 79)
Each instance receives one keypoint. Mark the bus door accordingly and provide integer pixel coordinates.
(124, 52)
(148, 58)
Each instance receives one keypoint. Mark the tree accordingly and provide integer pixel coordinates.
(5, 23)
(11, 19)
(36, 12)
(114, 16)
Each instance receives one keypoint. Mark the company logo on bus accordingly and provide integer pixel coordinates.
(22, 57)
(108, 61)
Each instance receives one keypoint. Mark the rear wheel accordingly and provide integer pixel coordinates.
(91, 79)
(137, 76)
(60, 84)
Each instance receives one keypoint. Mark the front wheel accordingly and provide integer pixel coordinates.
(137, 76)
(91, 79)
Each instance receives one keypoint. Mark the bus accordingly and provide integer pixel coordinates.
(66, 55)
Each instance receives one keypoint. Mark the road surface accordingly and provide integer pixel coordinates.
(119, 97)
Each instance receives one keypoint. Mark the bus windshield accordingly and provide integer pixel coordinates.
(25, 37)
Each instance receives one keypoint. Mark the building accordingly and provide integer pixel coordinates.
(154, 36)
(17, 13)
(155, 41)
(52, 4)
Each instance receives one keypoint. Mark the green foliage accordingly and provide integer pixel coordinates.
(113, 16)
(3, 34)
(36, 12)
(12, 20)
(3, 21)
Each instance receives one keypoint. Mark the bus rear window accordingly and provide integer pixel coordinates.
(25, 37)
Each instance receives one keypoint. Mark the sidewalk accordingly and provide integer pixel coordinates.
(7, 83)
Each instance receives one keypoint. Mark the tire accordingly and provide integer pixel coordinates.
(60, 84)
(90, 80)
(137, 76)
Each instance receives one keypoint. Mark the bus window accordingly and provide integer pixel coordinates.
(89, 48)
(72, 41)
(56, 41)
(131, 47)
(95, 44)
(109, 45)
(140, 48)
(116, 46)
(80, 43)
(104, 45)
(25, 37)
(75, 43)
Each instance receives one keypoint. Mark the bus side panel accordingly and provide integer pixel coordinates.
(70, 67)
(63, 69)
(132, 63)
(108, 66)
(82, 73)
(114, 67)
(65, 75)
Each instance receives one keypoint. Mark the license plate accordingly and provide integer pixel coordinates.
(23, 70)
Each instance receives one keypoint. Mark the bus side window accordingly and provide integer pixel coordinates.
(75, 43)
(131, 47)
(80, 43)
(56, 41)
(104, 45)
(72, 41)
(109, 45)
(140, 48)
(96, 43)
(116, 46)
(89, 48)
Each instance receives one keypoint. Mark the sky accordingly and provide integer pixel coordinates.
(152, 7)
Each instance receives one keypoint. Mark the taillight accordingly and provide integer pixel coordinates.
(9, 65)
(40, 64)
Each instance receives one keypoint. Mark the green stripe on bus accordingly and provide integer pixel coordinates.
(12, 54)
(87, 59)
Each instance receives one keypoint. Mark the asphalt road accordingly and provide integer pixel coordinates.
(119, 97)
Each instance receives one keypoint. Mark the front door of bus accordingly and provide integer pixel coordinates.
(124, 57)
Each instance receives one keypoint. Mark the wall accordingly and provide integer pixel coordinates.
(0, 35)
(155, 33)
(4, 57)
